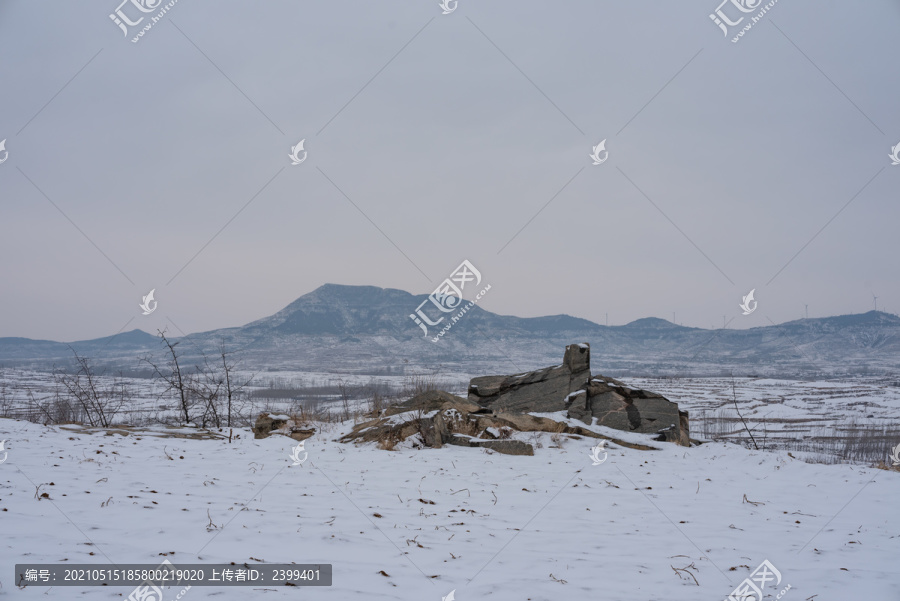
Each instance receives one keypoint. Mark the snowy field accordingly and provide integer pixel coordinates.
(21, 391)
(673, 523)
(854, 420)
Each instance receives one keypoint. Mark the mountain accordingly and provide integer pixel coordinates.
(25, 352)
(367, 310)
(368, 330)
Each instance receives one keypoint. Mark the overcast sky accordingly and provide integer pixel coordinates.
(435, 138)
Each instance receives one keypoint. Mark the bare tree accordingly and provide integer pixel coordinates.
(734, 396)
(232, 388)
(208, 393)
(346, 393)
(216, 385)
(98, 403)
(174, 376)
(206, 385)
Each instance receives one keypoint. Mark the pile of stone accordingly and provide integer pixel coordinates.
(497, 406)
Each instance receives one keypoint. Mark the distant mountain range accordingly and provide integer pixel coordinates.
(368, 330)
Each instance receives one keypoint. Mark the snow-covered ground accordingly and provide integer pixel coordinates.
(21, 390)
(848, 420)
(417, 524)
(822, 420)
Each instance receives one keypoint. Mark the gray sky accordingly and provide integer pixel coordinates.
(725, 159)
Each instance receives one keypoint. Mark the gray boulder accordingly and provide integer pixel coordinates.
(571, 388)
(499, 405)
(506, 447)
(617, 406)
(544, 390)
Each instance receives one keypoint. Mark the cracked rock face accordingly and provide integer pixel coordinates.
(544, 390)
(617, 406)
(570, 387)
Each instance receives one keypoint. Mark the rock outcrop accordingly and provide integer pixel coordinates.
(541, 391)
(440, 418)
(498, 406)
(615, 405)
(570, 387)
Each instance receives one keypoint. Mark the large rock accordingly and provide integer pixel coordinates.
(497, 406)
(432, 400)
(617, 406)
(571, 388)
(542, 391)
(506, 447)
(268, 424)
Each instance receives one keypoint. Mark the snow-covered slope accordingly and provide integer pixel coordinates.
(418, 524)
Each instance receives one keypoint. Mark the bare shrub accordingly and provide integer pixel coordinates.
(346, 393)
(52, 409)
(95, 402)
(211, 394)
(417, 384)
(376, 403)
(205, 386)
(6, 402)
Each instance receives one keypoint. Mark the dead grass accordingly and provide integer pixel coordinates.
(388, 441)
(881, 465)
(558, 440)
(850, 442)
